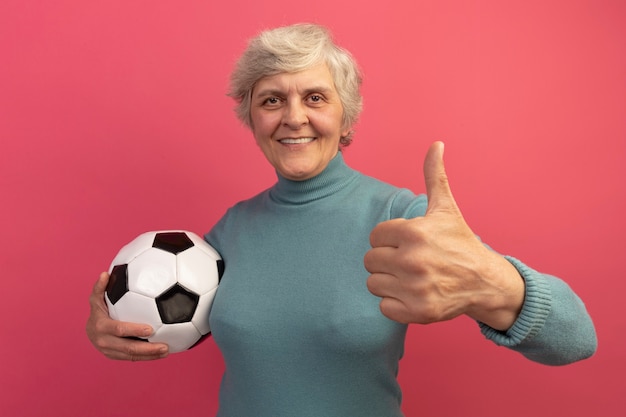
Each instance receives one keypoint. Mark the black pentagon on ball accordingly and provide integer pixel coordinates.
(118, 283)
(173, 242)
(177, 305)
(220, 269)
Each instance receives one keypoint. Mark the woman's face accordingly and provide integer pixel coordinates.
(297, 121)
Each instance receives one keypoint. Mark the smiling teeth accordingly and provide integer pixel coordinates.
(295, 141)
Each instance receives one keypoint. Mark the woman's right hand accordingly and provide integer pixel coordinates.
(114, 338)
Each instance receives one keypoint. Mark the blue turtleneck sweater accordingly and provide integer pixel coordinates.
(300, 333)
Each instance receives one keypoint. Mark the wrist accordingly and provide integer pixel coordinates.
(500, 304)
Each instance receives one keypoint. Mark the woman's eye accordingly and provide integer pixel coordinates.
(271, 100)
(315, 98)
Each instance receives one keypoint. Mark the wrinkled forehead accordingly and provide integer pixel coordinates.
(315, 79)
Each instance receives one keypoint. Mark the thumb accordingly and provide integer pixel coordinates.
(437, 188)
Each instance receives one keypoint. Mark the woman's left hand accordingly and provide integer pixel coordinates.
(434, 268)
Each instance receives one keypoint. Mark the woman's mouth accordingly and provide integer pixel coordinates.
(296, 141)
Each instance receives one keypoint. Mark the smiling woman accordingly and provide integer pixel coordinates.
(297, 119)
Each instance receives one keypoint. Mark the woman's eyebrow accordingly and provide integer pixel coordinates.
(322, 89)
(268, 92)
(318, 89)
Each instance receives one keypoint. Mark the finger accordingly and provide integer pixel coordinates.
(101, 284)
(123, 340)
(101, 326)
(383, 285)
(135, 350)
(437, 186)
(96, 299)
(388, 288)
(387, 233)
(128, 329)
(381, 259)
(126, 344)
(394, 309)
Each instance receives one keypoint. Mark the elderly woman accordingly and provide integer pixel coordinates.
(326, 268)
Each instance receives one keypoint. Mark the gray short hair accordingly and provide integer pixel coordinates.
(291, 49)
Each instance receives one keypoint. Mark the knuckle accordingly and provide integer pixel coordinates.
(416, 230)
(100, 326)
(98, 341)
(120, 329)
(93, 300)
(131, 352)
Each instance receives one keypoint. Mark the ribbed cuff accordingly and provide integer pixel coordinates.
(535, 310)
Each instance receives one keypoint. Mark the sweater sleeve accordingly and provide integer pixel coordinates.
(553, 327)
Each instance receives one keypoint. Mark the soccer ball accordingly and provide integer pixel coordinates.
(166, 279)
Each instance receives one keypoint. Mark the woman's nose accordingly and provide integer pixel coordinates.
(295, 115)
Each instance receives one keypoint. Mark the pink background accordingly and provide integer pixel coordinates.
(114, 121)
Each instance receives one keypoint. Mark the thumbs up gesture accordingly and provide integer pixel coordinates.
(434, 268)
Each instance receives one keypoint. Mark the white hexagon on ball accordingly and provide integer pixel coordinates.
(152, 272)
(197, 271)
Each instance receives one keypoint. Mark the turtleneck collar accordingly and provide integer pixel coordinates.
(334, 177)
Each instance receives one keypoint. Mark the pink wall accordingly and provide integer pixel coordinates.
(114, 121)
